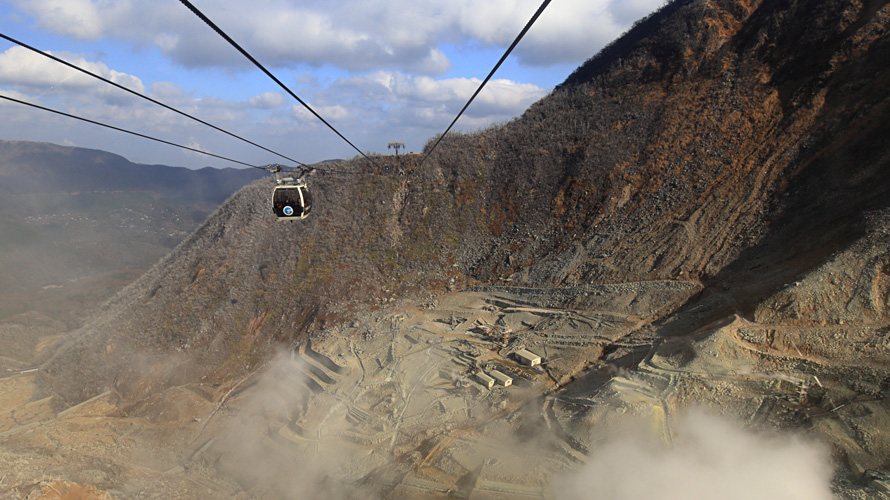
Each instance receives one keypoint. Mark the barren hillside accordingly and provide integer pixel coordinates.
(698, 216)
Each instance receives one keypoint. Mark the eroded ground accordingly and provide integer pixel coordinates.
(391, 406)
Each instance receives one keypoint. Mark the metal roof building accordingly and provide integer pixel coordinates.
(504, 380)
(527, 357)
(485, 380)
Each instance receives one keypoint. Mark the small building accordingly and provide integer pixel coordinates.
(485, 380)
(504, 380)
(527, 357)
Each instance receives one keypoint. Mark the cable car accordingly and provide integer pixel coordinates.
(291, 201)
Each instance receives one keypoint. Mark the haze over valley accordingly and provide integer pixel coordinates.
(77, 225)
(668, 278)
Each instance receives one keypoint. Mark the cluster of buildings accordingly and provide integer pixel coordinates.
(489, 378)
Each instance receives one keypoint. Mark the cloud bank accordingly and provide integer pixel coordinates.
(356, 35)
(20, 66)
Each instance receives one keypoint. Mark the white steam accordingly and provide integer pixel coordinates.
(710, 459)
(272, 452)
(250, 455)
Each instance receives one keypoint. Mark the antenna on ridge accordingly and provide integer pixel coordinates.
(396, 145)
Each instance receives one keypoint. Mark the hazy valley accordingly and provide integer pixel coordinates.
(77, 225)
(691, 232)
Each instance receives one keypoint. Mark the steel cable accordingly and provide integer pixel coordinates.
(232, 42)
(143, 96)
(487, 78)
(126, 131)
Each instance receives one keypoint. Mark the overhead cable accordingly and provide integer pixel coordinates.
(221, 33)
(126, 131)
(66, 63)
(487, 78)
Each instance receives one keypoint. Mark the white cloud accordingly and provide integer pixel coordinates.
(505, 97)
(302, 114)
(78, 18)
(569, 31)
(166, 90)
(16, 95)
(329, 113)
(334, 113)
(431, 100)
(266, 100)
(356, 35)
(20, 66)
(192, 143)
(625, 12)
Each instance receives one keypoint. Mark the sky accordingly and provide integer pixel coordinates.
(378, 71)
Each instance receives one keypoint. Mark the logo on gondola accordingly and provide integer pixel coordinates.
(288, 210)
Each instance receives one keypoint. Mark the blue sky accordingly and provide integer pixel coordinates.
(379, 71)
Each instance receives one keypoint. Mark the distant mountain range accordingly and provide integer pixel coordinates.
(77, 224)
(37, 167)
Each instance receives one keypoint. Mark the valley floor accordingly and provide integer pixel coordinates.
(395, 405)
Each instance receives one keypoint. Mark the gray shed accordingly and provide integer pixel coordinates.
(485, 380)
(527, 357)
(504, 380)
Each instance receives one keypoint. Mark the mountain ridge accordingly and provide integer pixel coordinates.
(636, 229)
(78, 224)
(30, 167)
(697, 216)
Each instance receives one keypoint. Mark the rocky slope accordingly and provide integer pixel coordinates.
(715, 138)
(733, 148)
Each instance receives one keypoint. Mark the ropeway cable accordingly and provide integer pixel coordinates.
(227, 38)
(126, 131)
(487, 78)
(66, 63)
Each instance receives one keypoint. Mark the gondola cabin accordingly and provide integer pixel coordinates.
(291, 201)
